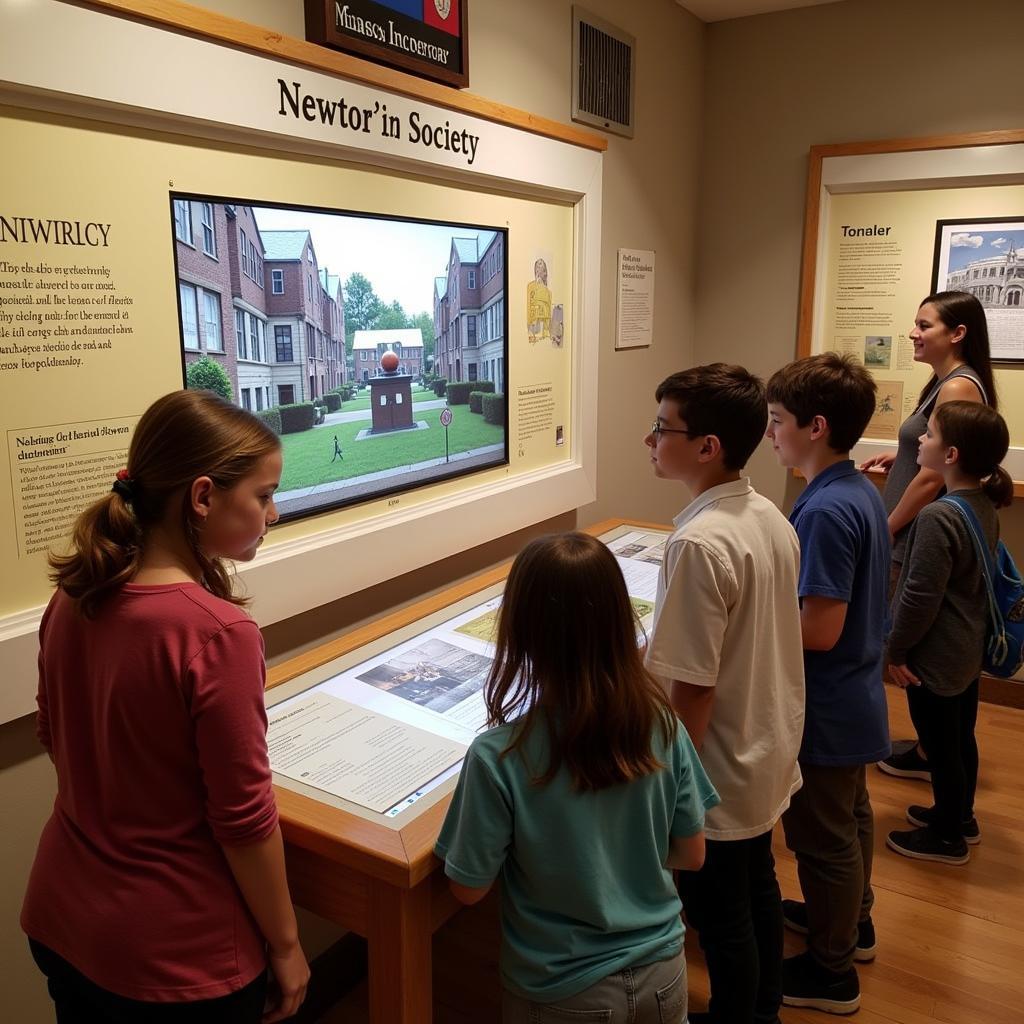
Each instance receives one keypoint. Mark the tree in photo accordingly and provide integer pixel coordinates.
(391, 318)
(362, 307)
(425, 323)
(208, 375)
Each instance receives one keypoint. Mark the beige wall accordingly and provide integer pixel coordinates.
(520, 55)
(777, 84)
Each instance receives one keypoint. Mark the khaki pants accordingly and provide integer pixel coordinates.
(652, 994)
(829, 826)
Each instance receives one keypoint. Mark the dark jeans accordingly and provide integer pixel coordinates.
(830, 826)
(78, 1001)
(735, 904)
(945, 726)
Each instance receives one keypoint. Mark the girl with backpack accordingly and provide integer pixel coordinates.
(941, 619)
(950, 335)
(581, 797)
(158, 892)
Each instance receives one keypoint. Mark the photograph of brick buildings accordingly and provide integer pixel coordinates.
(339, 331)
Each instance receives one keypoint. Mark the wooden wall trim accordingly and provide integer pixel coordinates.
(220, 28)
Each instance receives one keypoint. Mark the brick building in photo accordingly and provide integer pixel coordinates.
(469, 311)
(258, 304)
(306, 322)
(369, 346)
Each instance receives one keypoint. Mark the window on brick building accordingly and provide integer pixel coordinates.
(277, 282)
(189, 316)
(209, 234)
(183, 220)
(211, 321)
(285, 394)
(241, 341)
(283, 342)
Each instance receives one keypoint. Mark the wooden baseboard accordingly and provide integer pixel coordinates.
(1007, 693)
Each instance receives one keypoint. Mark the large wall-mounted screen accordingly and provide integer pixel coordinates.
(376, 346)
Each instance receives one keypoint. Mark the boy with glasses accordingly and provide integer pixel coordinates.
(818, 409)
(726, 639)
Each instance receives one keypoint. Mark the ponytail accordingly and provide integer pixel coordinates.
(106, 550)
(999, 488)
(179, 438)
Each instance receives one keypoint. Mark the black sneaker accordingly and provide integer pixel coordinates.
(806, 983)
(924, 816)
(924, 844)
(908, 765)
(794, 913)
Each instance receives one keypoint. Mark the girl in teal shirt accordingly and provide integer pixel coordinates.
(581, 797)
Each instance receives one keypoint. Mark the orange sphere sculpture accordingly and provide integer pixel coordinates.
(389, 362)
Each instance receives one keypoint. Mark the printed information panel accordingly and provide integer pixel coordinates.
(388, 730)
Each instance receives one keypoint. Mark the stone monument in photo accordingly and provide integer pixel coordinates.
(390, 397)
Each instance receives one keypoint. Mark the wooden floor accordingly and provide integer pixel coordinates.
(950, 939)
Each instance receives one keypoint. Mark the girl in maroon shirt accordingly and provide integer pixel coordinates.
(158, 891)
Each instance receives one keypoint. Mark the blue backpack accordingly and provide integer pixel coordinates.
(1004, 640)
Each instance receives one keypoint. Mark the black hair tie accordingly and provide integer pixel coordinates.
(123, 485)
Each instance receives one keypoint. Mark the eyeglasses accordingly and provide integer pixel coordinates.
(657, 429)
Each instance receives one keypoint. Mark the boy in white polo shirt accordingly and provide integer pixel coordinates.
(726, 639)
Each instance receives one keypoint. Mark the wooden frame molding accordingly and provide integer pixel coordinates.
(231, 32)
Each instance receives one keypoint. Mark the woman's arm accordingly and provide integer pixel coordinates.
(259, 871)
(921, 491)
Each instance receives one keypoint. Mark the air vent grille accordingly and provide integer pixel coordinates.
(604, 60)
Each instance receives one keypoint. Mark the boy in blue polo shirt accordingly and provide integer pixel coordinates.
(818, 408)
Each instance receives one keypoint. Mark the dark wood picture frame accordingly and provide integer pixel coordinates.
(322, 28)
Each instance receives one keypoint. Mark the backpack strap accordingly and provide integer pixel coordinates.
(985, 559)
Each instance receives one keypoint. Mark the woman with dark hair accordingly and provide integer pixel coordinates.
(950, 334)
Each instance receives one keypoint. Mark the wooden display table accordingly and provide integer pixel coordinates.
(374, 878)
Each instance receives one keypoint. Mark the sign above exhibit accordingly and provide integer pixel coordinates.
(425, 37)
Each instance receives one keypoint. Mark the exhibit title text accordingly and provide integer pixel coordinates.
(375, 119)
(849, 231)
(633, 267)
(53, 232)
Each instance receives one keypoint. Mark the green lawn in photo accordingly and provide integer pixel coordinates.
(363, 402)
(307, 456)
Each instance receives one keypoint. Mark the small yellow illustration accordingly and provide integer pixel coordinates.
(538, 304)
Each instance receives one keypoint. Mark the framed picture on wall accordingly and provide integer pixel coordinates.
(986, 258)
(428, 38)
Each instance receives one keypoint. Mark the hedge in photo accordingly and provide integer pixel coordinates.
(474, 401)
(296, 418)
(207, 374)
(272, 418)
(458, 392)
(493, 408)
(332, 401)
(439, 386)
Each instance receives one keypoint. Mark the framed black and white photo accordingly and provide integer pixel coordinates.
(986, 258)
